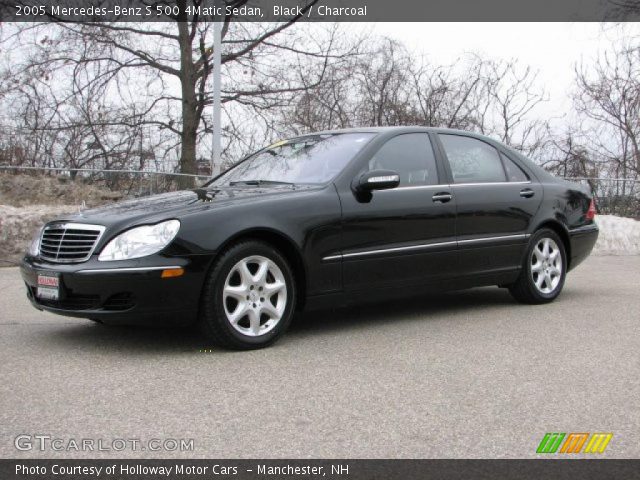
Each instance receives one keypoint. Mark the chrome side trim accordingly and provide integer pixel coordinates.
(490, 239)
(423, 246)
(127, 269)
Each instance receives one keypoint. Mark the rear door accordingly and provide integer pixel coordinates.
(402, 236)
(496, 201)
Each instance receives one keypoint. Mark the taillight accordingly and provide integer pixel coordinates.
(591, 212)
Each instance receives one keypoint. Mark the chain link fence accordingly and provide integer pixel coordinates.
(615, 196)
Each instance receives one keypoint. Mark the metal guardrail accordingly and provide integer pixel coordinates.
(94, 170)
(617, 196)
(630, 180)
(130, 182)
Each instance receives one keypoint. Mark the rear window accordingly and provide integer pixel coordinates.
(513, 171)
(472, 160)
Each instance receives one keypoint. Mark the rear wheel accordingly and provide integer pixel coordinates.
(544, 270)
(249, 297)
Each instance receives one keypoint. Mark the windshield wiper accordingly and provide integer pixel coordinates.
(260, 182)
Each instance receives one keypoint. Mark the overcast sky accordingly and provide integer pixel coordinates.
(551, 48)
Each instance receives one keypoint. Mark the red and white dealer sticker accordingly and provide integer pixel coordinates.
(48, 281)
(48, 286)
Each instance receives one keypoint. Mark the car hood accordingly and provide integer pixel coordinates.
(174, 204)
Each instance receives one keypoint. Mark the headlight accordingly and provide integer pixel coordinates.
(140, 241)
(34, 247)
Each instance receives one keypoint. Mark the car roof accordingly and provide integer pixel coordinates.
(408, 128)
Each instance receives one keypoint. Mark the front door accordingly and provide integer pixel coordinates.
(403, 236)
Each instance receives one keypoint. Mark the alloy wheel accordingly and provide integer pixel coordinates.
(546, 265)
(254, 295)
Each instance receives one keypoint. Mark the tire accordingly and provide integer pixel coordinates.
(248, 298)
(544, 269)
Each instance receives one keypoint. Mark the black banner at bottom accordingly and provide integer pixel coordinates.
(576, 469)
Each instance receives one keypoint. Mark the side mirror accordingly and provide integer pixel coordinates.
(377, 180)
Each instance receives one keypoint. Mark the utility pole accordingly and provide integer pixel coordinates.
(216, 160)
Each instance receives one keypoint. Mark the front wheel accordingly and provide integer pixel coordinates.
(543, 271)
(249, 297)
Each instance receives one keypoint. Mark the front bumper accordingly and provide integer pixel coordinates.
(122, 292)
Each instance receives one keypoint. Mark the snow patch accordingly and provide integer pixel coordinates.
(618, 236)
(19, 224)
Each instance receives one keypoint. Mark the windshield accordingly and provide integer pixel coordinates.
(310, 159)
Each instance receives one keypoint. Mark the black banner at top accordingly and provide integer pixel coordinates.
(318, 10)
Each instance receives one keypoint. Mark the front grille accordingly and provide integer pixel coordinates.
(69, 242)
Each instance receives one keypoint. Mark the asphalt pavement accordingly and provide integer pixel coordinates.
(467, 374)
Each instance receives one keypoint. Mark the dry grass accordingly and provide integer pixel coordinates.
(22, 190)
(19, 224)
(29, 201)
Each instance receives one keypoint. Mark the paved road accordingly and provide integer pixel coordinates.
(467, 374)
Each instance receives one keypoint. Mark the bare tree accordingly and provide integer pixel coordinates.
(608, 97)
(387, 85)
(152, 68)
(570, 158)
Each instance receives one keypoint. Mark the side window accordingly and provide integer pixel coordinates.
(471, 160)
(409, 154)
(514, 172)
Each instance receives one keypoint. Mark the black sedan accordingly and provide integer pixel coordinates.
(318, 220)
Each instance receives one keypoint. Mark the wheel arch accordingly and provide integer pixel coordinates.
(562, 232)
(285, 245)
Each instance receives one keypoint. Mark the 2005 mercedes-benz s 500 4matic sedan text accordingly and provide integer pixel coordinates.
(318, 220)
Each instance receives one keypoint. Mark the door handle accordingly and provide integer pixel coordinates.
(442, 197)
(527, 193)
